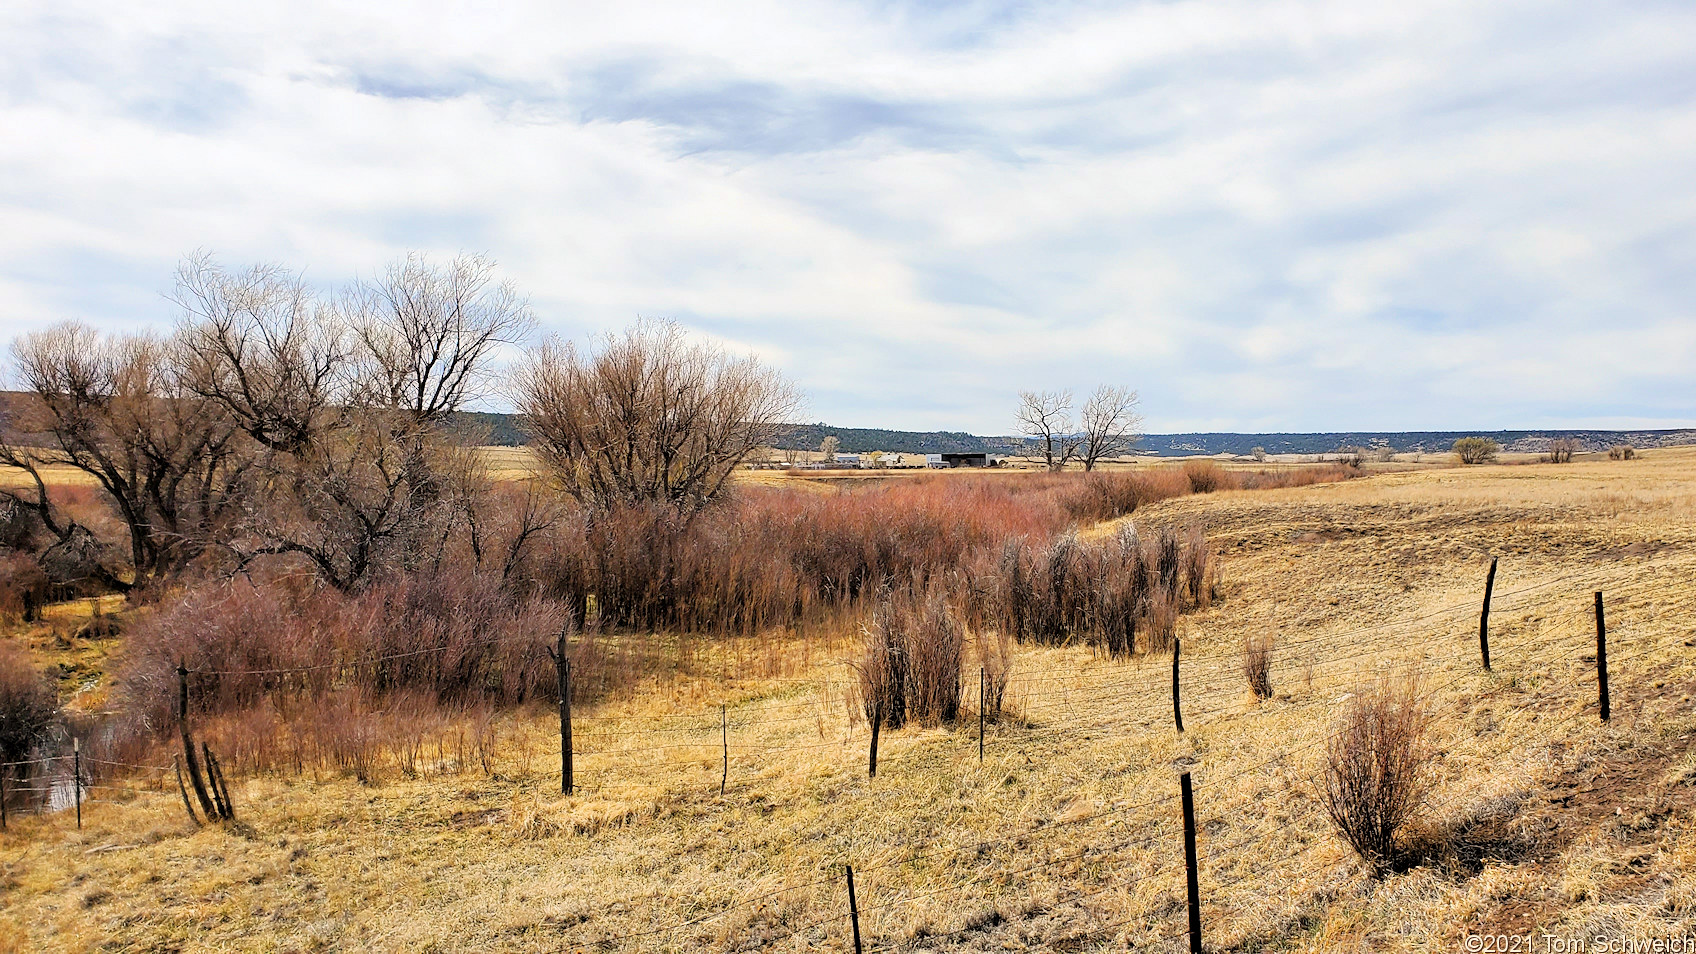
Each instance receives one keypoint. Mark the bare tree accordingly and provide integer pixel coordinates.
(648, 416)
(1110, 424)
(427, 334)
(353, 398)
(1047, 416)
(117, 409)
(261, 344)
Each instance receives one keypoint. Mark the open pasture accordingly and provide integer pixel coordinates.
(1067, 835)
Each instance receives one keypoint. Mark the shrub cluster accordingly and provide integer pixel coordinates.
(910, 667)
(454, 639)
(1122, 595)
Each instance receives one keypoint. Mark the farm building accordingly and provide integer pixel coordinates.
(965, 460)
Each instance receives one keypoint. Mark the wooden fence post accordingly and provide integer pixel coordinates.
(1190, 863)
(724, 725)
(562, 671)
(3, 771)
(1177, 710)
(1602, 656)
(76, 777)
(877, 723)
(1484, 617)
(982, 702)
(853, 908)
(189, 758)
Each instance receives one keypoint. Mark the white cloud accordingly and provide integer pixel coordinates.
(1288, 215)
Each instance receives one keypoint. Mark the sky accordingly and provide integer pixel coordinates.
(1264, 216)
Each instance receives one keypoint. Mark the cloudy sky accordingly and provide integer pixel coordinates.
(1266, 215)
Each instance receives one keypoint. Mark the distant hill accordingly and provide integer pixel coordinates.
(1175, 445)
(854, 440)
(506, 430)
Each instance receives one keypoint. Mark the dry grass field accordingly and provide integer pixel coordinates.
(1067, 836)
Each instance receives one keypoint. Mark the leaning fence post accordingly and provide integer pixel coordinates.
(724, 725)
(220, 787)
(1190, 863)
(1177, 710)
(1602, 656)
(187, 806)
(853, 908)
(1484, 617)
(76, 777)
(189, 758)
(982, 684)
(877, 722)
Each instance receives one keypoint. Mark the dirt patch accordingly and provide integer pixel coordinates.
(1628, 797)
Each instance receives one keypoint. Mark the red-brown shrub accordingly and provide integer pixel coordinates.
(1205, 476)
(457, 639)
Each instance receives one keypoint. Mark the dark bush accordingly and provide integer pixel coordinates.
(29, 705)
(23, 586)
(1476, 450)
(1376, 769)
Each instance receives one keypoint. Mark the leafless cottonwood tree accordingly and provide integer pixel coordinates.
(118, 409)
(262, 345)
(649, 417)
(351, 398)
(1110, 424)
(1047, 416)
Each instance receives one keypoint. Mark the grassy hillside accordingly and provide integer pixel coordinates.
(1066, 836)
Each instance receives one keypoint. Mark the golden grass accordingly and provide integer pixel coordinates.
(1067, 836)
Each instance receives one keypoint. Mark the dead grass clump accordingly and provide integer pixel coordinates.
(1376, 769)
(1257, 665)
(995, 656)
(1201, 567)
(1490, 831)
(935, 641)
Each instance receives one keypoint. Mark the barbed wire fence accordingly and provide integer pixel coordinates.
(1108, 699)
